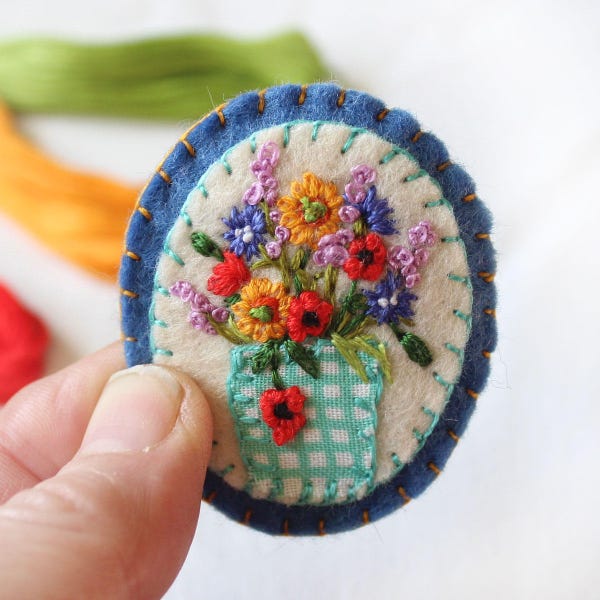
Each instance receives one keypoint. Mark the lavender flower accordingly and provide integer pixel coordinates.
(399, 256)
(282, 234)
(422, 235)
(183, 289)
(354, 193)
(363, 174)
(200, 321)
(348, 213)
(254, 194)
(273, 249)
(220, 314)
(246, 230)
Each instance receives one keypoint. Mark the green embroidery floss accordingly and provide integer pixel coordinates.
(157, 78)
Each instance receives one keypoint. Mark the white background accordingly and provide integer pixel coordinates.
(513, 89)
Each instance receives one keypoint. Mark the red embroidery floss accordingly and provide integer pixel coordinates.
(228, 276)
(23, 343)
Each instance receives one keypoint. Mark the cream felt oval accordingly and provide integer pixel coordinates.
(410, 405)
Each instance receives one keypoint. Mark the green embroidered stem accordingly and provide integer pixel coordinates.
(349, 349)
(303, 281)
(284, 267)
(330, 281)
(229, 331)
(268, 220)
(360, 228)
(300, 259)
(415, 347)
(339, 317)
(268, 355)
(277, 380)
(204, 245)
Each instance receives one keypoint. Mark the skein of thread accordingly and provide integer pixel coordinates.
(23, 343)
(78, 215)
(159, 78)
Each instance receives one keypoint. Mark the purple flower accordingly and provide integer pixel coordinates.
(271, 196)
(201, 303)
(335, 255)
(363, 174)
(273, 249)
(246, 230)
(254, 194)
(269, 152)
(376, 213)
(421, 257)
(282, 234)
(412, 279)
(319, 258)
(220, 315)
(389, 301)
(399, 256)
(354, 193)
(344, 236)
(201, 322)
(275, 216)
(348, 213)
(328, 240)
(183, 289)
(422, 235)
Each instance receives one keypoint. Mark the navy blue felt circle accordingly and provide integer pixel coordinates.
(159, 207)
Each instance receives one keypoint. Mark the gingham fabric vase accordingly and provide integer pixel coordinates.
(332, 458)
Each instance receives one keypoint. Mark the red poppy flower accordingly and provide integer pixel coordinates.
(309, 315)
(282, 412)
(367, 258)
(228, 276)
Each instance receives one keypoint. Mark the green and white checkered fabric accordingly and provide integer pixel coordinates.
(332, 459)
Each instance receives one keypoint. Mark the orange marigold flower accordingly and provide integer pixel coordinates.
(311, 211)
(263, 309)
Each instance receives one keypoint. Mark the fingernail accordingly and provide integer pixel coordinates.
(137, 409)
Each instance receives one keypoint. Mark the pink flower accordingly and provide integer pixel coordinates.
(253, 195)
(220, 314)
(363, 174)
(282, 234)
(344, 236)
(269, 152)
(355, 193)
(183, 289)
(328, 240)
(273, 249)
(348, 214)
(412, 280)
(422, 235)
(399, 256)
(335, 255)
(421, 257)
(201, 303)
(319, 258)
(275, 216)
(199, 321)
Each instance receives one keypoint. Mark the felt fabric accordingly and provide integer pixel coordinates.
(414, 398)
(159, 208)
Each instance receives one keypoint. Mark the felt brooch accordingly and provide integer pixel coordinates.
(325, 272)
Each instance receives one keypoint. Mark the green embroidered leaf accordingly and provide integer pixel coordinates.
(346, 349)
(261, 263)
(267, 356)
(373, 347)
(300, 259)
(330, 279)
(204, 244)
(229, 331)
(304, 356)
(233, 299)
(302, 281)
(416, 349)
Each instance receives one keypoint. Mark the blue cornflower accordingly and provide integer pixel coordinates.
(390, 301)
(246, 229)
(376, 213)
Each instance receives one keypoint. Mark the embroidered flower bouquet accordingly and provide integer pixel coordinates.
(306, 280)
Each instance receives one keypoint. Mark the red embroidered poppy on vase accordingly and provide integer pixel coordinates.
(229, 276)
(367, 258)
(309, 315)
(282, 412)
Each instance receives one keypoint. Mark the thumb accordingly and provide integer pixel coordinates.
(117, 521)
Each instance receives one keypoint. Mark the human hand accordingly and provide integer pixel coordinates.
(100, 480)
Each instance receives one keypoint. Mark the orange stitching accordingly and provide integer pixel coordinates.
(211, 497)
(165, 176)
(132, 255)
(486, 354)
(490, 311)
(383, 114)
(443, 166)
(189, 147)
(453, 435)
(219, 112)
(434, 468)
(147, 214)
(321, 527)
(416, 137)
(125, 338)
(472, 393)
(404, 495)
(341, 98)
(129, 293)
(482, 236)
(365, 517)
(487, 277)
(247, 517)
(302, 96)
(286, 527)
(261, 101)
(469, 197)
